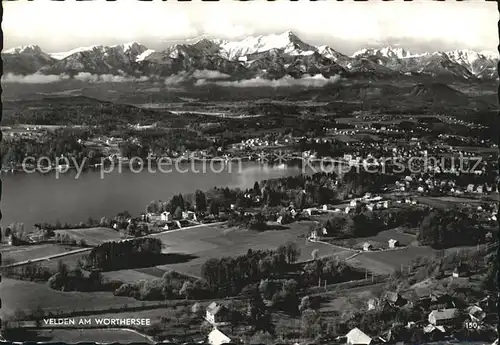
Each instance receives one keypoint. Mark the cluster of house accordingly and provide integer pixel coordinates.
(454, 120)
(429, 184)
(489, 211)
(259, 142)
(439, 321)
(166, 216)
(36, 236)
(438, 324)
(24, 132)
(391, 244)
(319, 234)
(367, 202)
(104, 140)
(167, 219)
(387, 128)
(479, 188)
(290, 214)
(253, 197)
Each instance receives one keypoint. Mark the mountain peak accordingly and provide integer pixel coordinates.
(288, 42)
(29, 49)
(281, 52)
(130, 46)
(290, 34)
(389, 52)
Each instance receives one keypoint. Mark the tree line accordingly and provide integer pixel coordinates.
(124, 254)
(229, 275)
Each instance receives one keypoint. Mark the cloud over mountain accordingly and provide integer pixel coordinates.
(287, 81)
(35, 78)
(107, 78)
(207, 74)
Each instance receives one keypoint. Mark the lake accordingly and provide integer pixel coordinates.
(36, 197)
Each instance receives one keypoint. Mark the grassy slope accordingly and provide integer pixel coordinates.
(211, 242)
(28, 295)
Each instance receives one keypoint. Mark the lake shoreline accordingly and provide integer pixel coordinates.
(50, 197)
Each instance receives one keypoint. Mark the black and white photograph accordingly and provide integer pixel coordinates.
(250, 172)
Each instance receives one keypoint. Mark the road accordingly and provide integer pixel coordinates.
(336, 246)
(83, 250)
(47, 258)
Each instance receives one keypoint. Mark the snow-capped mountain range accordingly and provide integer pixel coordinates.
(270, 56)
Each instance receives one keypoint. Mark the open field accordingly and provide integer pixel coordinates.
(202, 243)
(28, 296)
(384, 262)
(451, 201)
(73, 336)
(214, 242)
(92, 236)
(380, 240)
(217, 242)
(29, 252)
(344, 302)
(435, 202)
(70, 261)
(463, 200)
(127, 276)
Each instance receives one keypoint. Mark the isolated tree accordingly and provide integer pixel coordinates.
(266, 289)
(95, 278)
(18, 316)
(200, 201)
(292, 252)
(178, 213)
(214, 208)
(187, 289)
(300, 200)
(311, 324)
(256, 188)
(210, 272)
(197, 310)
(315, 254)
(38, 314)
(104, 222)
(62, 269)
(266, 266)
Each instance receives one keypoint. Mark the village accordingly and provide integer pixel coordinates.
(389, 267)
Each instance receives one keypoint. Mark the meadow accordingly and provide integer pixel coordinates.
(92, 236)
(380, 240)
(30, 252)
(216, 242)
(73, 336)
(27, 296)
(386, 262)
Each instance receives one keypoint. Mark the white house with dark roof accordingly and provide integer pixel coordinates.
(372, 304)
(357, 337)
(217, 314)
(443, 316)
(429, 329)
(367, 246)
(476, 314)
(393, 243)
(166, 216)
(190, 215)
(394, 298)
(216, 337)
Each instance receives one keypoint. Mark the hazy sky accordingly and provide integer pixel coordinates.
(345, 26)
